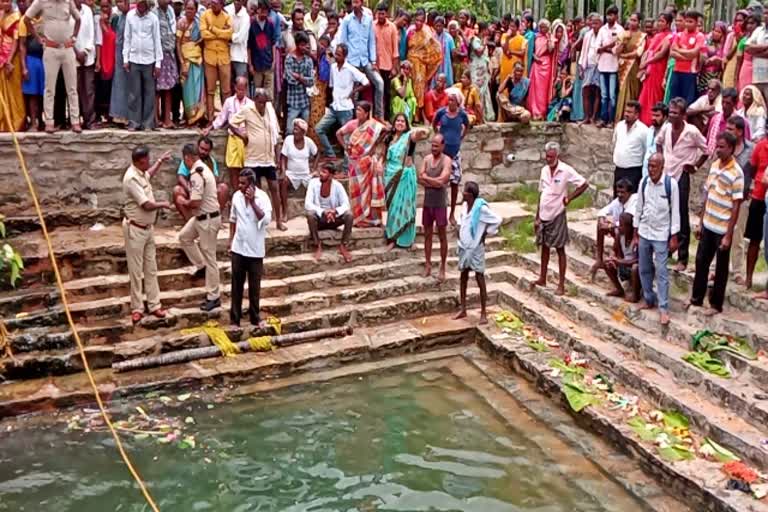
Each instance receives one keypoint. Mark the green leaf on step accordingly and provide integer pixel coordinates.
(676, 453)
(722, 454)
(708, 363)
(139, 437)
(675, 419)
(645, 431)
(578, 398)
(184, 397)
(165, 399)
(538, 346)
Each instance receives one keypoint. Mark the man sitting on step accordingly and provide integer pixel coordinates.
(608, 220)
(327, 207)
(622, 266)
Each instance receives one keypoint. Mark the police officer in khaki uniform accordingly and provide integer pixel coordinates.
(198, 236)
(140, 210)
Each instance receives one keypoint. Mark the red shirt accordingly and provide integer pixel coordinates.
(434, 102)
(687, 41)
(759, 163)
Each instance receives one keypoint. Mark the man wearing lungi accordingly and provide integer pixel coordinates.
(476, 221)
(551, 224)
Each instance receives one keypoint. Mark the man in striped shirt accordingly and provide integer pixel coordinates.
(723, 196)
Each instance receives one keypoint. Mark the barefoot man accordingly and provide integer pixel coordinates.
(551, 223)
(434, 175)
(476, 222)
(327, 207)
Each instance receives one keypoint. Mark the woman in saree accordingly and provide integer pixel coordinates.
(630, 48)
(425, 55)
(188, 47)
(560, 107)
(754, 111)
(403, 98)
(731, 41)
(714, 57)
(653, 68)
(12, 70)
(400, 185)
(542, 78)
(743, 59)
(366, 186)
(530, 37)
(562, 47)
(470, 98)
(460, 54)
(447, 46)
(679, 22)
(480, 71)
(577, 114)
(318, 102)
(515, 49)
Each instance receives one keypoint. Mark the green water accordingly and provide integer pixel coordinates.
(398, 440)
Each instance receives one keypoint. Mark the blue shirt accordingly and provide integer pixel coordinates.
(519, 91)
(650, 148)
(358, 36)
(183, 171)
(260, 43)
(403, 44)
(276, 20)
(451, 129)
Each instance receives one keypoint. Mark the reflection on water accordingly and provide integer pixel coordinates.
(386, 441)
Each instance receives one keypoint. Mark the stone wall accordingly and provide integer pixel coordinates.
(83, 172)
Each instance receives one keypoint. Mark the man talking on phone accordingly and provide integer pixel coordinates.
(249, 217)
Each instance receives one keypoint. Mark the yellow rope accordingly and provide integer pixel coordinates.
(217, 335)
(276, 324)
(71, 322)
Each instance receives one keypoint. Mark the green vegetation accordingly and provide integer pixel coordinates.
(520, 238)
(11, 263)
(585, 200)
(762, 266)
(527, 194)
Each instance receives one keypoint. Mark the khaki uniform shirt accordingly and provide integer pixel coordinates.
(56, 16)
(137, 190)
(203, 188)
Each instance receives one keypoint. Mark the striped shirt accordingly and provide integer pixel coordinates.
(725, 184)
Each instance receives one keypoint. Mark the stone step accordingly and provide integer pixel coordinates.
(83, 253)
(652, 382)
(279, 296)
(683, 325)
(741, 394)
(583, 237)
(289, 268)
(68, 360)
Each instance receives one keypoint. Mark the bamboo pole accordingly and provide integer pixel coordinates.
(193, 354)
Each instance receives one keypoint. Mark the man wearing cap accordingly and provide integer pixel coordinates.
(199, 235)
(59, 41)
(142, 60)
(140, 209)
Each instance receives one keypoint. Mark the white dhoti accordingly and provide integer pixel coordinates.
(474, 225)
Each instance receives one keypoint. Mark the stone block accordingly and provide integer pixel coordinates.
(494, 144)
(528, 154)
(481, 161)
(517, 171)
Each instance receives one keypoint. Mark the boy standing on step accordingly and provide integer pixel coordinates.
(475, 223)
(140, 211)
(724, 191)
(657, 224)
(551, 223)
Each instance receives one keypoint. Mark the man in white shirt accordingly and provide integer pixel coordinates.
(346, 80)
(609, 219)
(316, 20)
(142, 58)
(656, 224)
(327, 207)
(248, 220)
(86, 55)
(608, 65)
(629, 144)
(238, 50)
(587, 68)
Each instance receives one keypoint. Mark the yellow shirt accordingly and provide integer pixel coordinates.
(217, 34)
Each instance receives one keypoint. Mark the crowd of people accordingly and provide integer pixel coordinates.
(368, 85)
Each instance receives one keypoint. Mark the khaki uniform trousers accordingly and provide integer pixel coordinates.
(738, 262)
(142, 267)
(53, 60)
(198, 239)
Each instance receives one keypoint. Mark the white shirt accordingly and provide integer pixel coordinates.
(86, 37)
(141, 44)
(250, 232)
(342, 82)
(338, 199)
(616, 208)
(756, 125)
(655, 212)
(702, 103)
(297, 166)
(629, 145)
(241, 24)
(318, 26)
(589, 46)
(608, 62)
(488, 222)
